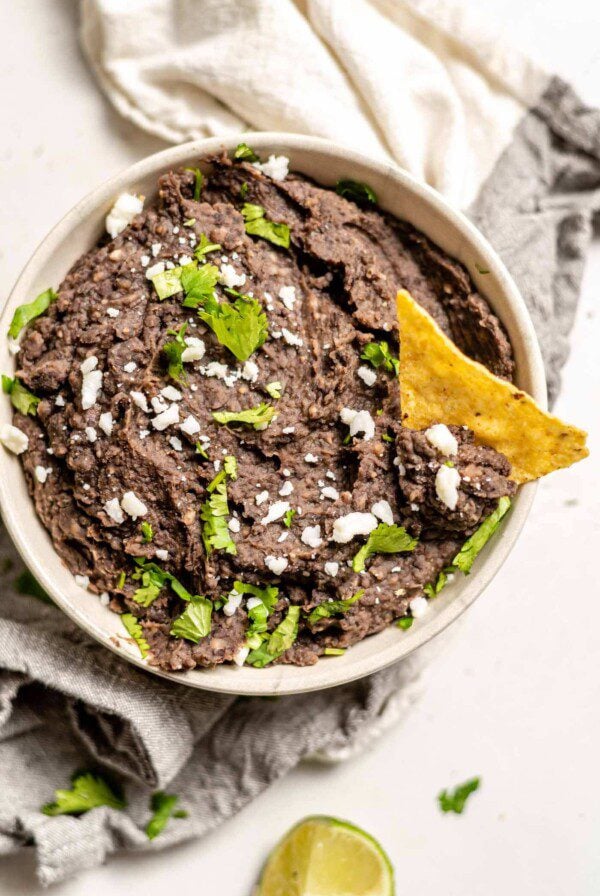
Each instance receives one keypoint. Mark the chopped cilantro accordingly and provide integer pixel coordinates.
(387, 437)
(454, 800)
(259, 613)
(289, 516)
(147, 531)
(25, 583)
(257, 224)
(153, 580)
(201, 451)
(243, 153)
(21, 398)
(199, 284)
(432, 589)
(120, 583)
(274, 389)
(358, 192)
(385, 539)
(378, 354)
(334, 651)
(189, 222)
(244, 190)
(481, 269)
(405, 623)
(87, 792)
(134, 630)
(194, 622)
(280, 640)
(168, 283)
(473, 545)
(258, 417)
(204, 247)
(199, 180)
(230, 466)
(213, 513)
(333, 607)
(174, 351)
(24, 314)
(241, 326)
(162, 806)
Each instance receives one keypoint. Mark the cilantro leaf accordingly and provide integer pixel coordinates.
(135, 631)
(257, 224)
(385, 539)
(174, 351)
(230, 466)
(333, 607)
(197, 183)
(168, 283)
(473, 545)
(288, 517)
(258, 417)
(21, 398)
(147, 531)
(153, 580)
(274, 389)
(194, 622)
(240, 326)
(378, 354)
(259, 613)
(280, 640)
(215, 531)
(244, 190)
(25, 583)
(199, 284)
(454, 800)
(87, 792)
(405, 623)
(204, 247)
(243, 153)
(162, 806)
(432, 589)
(334, 651)
(201, 450)
(358, 192)
(24, 314)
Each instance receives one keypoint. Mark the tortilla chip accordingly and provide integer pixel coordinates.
(438, 384)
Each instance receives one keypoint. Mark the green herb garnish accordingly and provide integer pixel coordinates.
(162, 806)
(168, 283)
(274, 389)
(88, 791)
(258, 614)
(385, 539)
(334, 651)
(289, 516)
(258, 417)
(230, 466)
(473, 545)
(195, 621)
(280, 640)
(135, 631)
(378, 354)
(358, 192)
(454, 800)
(481, 269)
(241, 326)
(199, 284)
(174, 351)
(147, 532)
(201, 451)
(24, 314)
(153, 580)
(243, 153)
(199, 180)
(244, 190)
(334, 607)
(257, 224)
(405, 623)
(204, 247)
(21, 398)
(214, 513)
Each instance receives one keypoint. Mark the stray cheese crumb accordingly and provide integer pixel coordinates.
(262, 497)
(132, 505)
(113, 509)
(418, 607)
(171, 393)
(383, 511)
(41, 473)
(311, 535)
(441, 438)
(140, 400)
(447, 480)
(194, 350)
(130, 367)
(240, 656)
(276, 167)
(330, 492)
(276, 564)
(331, 568)
(287, 294)
(91, 434)
(276, 511)
(105, 422)
(359, 422)
(367, 375)
(166, 418)
(291, 338)
(310, 459)
(112, 312)
(346, 527)
(286, 489)
(162, 554)
(122, 213)
(190, 426)
(82, 581)
(234, 524)
(229, 277)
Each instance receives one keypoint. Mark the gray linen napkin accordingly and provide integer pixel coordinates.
(67, 703)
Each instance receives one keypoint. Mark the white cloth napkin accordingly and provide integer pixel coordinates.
(423, 82)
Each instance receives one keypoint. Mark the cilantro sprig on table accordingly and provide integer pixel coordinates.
(455, 800)
(162, 806)
(88, 791)
(385, 539)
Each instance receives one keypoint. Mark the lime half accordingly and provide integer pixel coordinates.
(324, 856)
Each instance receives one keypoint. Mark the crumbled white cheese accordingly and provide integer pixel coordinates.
(132, 505)
(441, 438)
(310, 459)
(144, 260)
(250, 371)
(239, 657)
(291, 338)
(234, 599)
(234, 524)
(275, 512)
(91, 382)
(367, 375)
(331, 568)
(262, 497)
(418, 607)
(286, 489)
(155, 249)
(105, 598)
(82, 581)
(276, 167)
(158, 404)
(41, 473)
(330, 492)
(112, 312)
(447, 480)
(383, 512)
(311, 535)
(155, 269)
(221, 372)
(112, 509)
(282, 537)
(288, 430)
(13, 438)
(140, 400)
(176, 443)
(194, 350)
(130, 367)
(59, 401)
(162, 554)
(359, 422)
(122, 213)
(166, 418)
(91, 434)
(171, 393)
(229, 277)
(184, 259)
(287, 294)
(276, 564)
(190, 426)
(346, 527)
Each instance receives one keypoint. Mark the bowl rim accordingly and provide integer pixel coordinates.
(282, 680)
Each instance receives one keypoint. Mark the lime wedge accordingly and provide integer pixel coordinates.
(324, 856)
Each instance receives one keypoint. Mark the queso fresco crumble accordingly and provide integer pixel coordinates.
(207, 413)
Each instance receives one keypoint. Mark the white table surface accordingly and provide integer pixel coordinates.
(516, 696)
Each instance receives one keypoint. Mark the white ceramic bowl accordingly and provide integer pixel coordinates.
(398, 193)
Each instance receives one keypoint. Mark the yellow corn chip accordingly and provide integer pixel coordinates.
(438, 384)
